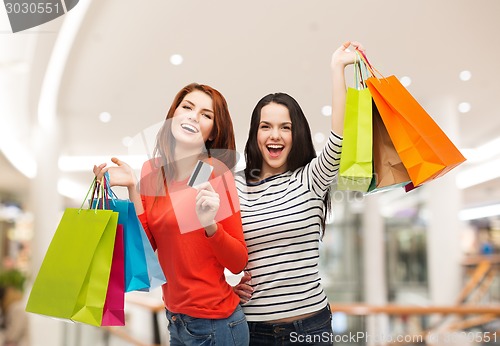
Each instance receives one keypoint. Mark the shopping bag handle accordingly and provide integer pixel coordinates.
(373, 71)
(363, 71)
(358, 77)
(110, 194)
(360, 73)
(95, 189)
(105, 192)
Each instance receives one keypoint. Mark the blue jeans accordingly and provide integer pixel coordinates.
(190, 331)
(314, 330)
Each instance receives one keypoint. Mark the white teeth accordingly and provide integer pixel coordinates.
(275, 146)
(190, 128)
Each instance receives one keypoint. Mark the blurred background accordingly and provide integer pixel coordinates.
(98, 81)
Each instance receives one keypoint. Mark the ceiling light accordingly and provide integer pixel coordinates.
(85, 163)
(472, 155)
(464, 107)
(127, 141)
(478, 174)
(483, 152)
(405, 80)
(105, 117)
(491, 146)
(480, 212)
(9, 212)
(319, 137)
(326, 110)
(465, 75)
(176, 59)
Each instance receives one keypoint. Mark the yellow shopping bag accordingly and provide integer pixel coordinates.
(356, 160)
(73, 279)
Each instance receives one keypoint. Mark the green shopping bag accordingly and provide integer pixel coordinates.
(356, 161)
(73, 279)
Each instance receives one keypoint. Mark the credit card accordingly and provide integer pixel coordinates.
(200, 174)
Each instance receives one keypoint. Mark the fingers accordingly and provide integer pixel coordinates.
(343, 56)
(120, 175)
(205, 186)
(206, 193)
(358, 46)
(245, 288)
(246, 277)
(117, 161)
(243, 291)
(99, 171)
(208, 202)
(207, 197)
(349, 56)
(345, 46)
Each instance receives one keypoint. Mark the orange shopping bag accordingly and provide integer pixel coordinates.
(424, 149)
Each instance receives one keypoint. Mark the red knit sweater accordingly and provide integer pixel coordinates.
(192, 262)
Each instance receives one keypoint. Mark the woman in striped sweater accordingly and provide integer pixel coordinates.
(284, 199)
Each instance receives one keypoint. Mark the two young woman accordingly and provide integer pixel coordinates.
(284, 200)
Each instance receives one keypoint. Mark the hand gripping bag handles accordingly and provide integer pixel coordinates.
(356, 160)
(423, 147)
(72, 282)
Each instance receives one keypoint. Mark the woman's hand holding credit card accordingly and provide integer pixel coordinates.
(207, 200)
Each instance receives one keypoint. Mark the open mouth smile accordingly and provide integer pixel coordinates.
(190, 128)
(275, 149)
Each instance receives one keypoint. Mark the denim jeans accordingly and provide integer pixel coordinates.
(314, 330)
(190, 331)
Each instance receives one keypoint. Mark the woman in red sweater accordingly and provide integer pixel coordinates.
(196, 231)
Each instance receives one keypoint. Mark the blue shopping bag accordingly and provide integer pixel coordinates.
(136, 270)
(142, 269)
(155, 272)
(136, 267)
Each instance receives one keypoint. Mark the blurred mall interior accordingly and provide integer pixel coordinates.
(96, 82)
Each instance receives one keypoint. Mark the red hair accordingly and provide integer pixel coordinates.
(222, 146)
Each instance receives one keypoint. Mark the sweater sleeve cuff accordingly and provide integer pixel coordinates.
(336, 136)
(217, 237)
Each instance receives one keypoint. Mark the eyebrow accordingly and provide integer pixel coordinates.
(192, 104)
(267, 122)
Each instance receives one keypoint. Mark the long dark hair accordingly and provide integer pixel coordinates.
(221, 147)
(302, 151)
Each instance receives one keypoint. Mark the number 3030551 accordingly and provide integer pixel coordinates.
(33, 8)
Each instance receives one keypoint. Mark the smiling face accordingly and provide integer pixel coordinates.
(193, 120)
(274, 139)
